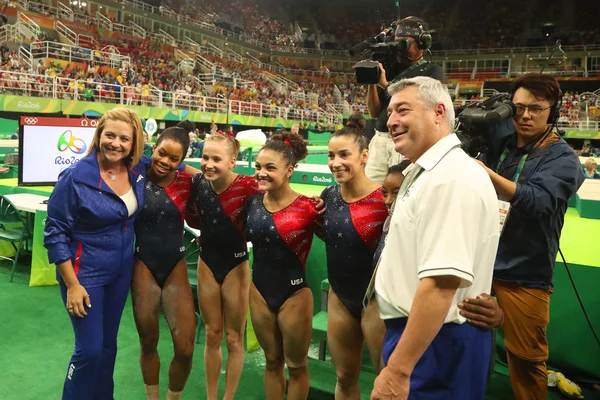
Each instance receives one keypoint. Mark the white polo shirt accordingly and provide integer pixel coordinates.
(446, 224)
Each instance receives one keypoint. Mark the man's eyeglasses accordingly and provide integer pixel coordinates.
(534, 109)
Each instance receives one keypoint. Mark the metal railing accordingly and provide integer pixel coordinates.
(209, 66)
(307, 72)
(65, 12)
(110, 49)
(42, 8)
(181, 55)
(482, 75)
(25, 56)
(66, 52)
(191, 44)
(103, 21)
(212, 49)
(585, 125)
(233, 56)
(27, 26)
(8, 33)
(83, 18)
(86, 41)
(237, 107)
(127, 30)
(66, 32)
(32, 85)
(277, 83)
(253, 60)
(514, 50)
(206, 79)
(223, 32)
(137, 30)
(168, 39)
(36, 85)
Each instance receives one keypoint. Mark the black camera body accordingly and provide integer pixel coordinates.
(476, 119)
(367, 71)
(384, 48)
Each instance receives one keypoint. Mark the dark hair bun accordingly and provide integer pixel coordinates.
(186, 125)
(297, 144)
(356, 121)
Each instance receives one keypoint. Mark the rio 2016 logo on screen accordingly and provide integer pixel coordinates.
(68, 141)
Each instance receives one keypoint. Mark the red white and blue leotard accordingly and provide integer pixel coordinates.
(221, 219)
(159, 226)
(281, 242)
(351, 232)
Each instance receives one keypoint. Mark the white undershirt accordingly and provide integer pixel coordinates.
(130, 201)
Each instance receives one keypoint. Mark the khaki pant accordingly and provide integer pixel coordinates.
(526, 316)
(382, 155)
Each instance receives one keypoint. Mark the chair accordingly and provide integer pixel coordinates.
(11, 159)
(13, 229)
(319, 322)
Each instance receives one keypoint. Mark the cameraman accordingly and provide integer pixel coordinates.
(536, 171)
(410, 63)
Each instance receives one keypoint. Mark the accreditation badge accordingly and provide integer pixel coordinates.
(504, 212)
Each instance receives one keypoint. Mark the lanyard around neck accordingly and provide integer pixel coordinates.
(410, 68)
(411, 182)
(520, 167)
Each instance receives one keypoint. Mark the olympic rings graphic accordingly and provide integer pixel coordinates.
(30, 121)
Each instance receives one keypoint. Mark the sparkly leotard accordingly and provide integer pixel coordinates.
(159, 226)
(281, 242)
(351, 232)
(221, 219)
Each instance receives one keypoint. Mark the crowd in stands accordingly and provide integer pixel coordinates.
(465, 25)
(255, 20)
(154, 69)
(468, 24)
(578, 107)
(155, 72)
(575, 108)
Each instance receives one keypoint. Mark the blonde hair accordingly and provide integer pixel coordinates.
(125, 115)
(233, 145)
(589, 163)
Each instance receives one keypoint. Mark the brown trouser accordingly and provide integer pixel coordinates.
(526, 316)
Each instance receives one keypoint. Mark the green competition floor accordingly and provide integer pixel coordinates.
(26, 309)
(9, 186)
(38, 340)
(308, 190)
(579, 240)
(316, 154)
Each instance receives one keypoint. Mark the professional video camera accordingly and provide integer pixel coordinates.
(389, 51)
(383, 48)
(475, 119)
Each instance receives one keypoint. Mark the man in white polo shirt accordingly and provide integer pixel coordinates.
(440, 248)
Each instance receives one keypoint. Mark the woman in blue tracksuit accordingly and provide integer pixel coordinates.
(89, 235)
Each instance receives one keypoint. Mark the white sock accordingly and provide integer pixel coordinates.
(152, 392)
(173, 395)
